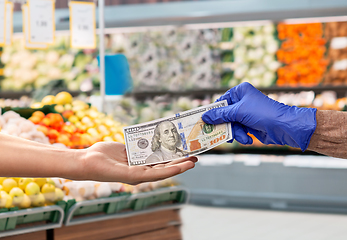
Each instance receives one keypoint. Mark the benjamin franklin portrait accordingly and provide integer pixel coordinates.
(165, 143)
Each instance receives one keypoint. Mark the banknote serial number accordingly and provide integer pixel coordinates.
(131, 130)
(138, 162)
(216, 106)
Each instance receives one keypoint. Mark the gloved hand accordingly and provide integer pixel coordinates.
(268, 120)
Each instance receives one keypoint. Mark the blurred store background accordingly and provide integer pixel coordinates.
(185, 54)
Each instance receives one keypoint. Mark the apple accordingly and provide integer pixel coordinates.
(118, 137)
(67, 114)
(26, 202)
(38, 201)
(59, 194)
(48, 190)
(86, 140)
(56, 120)
(93, 132)
(23, 182)
(5, 200)
(108, 139)
(43, 129)
(97, 121)
(68, 106)
(80, 114)
(64, 139)
(52, 134)
(16, 179)
(8, 184)
(46, 122)
(2, 179)
(69, 128)
(77, 108)
(59, 108)
(73, 119)
(103, 130)
(40, 181)
(76, 139)
(50, 181)
(32, 189)
(17, 195)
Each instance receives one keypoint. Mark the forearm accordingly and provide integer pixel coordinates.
(330, 136)
(24, 158)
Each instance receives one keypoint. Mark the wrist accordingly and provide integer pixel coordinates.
(301, 126)
(75, 164)
(330, 136)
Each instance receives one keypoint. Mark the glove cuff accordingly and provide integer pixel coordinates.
(303, 126)
(311, 128)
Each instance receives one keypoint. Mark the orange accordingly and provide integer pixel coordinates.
(53, 134)
(34, 119)
(38, 114)
(45, 121)
(43, 129)
(64, 139)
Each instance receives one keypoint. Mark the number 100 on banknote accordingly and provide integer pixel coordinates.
(170, 138)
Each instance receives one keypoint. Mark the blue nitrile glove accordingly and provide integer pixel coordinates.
(268, 120)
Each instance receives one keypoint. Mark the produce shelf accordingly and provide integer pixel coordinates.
(341, 90)
(18, 94)
(125, 206)
(14, 221)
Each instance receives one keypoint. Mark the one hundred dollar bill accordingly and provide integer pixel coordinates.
(170, 138)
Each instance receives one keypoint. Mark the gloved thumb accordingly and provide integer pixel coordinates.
(220, 115)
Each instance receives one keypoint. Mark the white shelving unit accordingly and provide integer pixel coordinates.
(206, 12)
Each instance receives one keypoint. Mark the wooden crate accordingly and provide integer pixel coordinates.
(151, 226)
(41, 235)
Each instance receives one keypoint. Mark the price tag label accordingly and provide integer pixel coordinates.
(82, 25)
(9, 23)
(2, 22)
(26, 32)
(41, 21)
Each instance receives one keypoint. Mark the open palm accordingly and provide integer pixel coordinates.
(107, 162)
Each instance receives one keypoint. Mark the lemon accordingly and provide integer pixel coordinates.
(59, 108)
(63, 98)
(8, 184)
(48, 100)
(73, 119)
(36, 105)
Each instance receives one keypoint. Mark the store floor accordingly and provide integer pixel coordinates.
(206, 223)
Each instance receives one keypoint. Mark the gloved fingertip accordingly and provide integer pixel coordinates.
(207, 118)
(230, 141)
(250, 140)
(241, 139)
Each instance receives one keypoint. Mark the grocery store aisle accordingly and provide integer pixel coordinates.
(206, 223)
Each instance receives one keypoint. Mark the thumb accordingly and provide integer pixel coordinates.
(221, 115)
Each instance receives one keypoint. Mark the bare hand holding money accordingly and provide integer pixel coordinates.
(107, 161)
(176, 137)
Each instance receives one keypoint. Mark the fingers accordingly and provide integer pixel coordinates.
(192, 159)
(235, 94)
(161, 171)
(225, 96)
(221, 115)
(240, 134)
